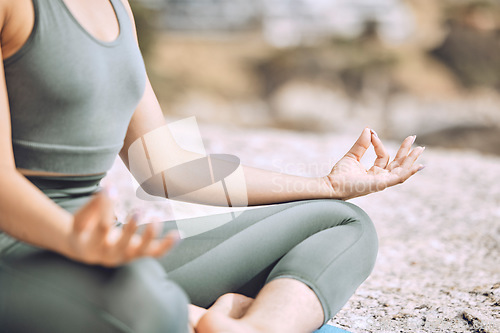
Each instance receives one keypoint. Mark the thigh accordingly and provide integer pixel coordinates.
(238, 256)
(42, 291)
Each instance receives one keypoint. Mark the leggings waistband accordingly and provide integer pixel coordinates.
(69, 192)
(66, 184)
(63, 190)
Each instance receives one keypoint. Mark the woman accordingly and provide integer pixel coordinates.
(75, 94)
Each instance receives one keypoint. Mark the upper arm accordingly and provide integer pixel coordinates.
(147, 117)
(6, 153)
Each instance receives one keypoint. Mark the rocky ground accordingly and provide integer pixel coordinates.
(438, 268)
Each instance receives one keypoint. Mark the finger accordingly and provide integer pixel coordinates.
(412, 157)
(100, 232)
(405, 147)
(157, 225)
(87, 214)
(128, 232)
(107, 207)
(382, 156)
(362, 144)
(166, 244)
(405, 174)
(147, 237)
(414, 169)
(403, 151)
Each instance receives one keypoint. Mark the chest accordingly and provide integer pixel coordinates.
(98, 18)
(63, 63)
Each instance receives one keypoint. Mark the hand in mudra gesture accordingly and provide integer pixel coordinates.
(95, 240)
(349, 178)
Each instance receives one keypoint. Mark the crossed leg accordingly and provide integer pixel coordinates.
(301, 260)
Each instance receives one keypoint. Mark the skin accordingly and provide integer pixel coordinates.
(284, 305)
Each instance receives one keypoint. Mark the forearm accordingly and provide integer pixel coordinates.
(256, 187)
(267, 187)
(217, 180)
(164, 169)
(28, 215)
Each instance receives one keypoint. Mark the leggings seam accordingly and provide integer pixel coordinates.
(105, 315)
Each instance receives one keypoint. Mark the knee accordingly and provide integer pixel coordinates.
(368, 239)
(333, 213)
(146, 301)
(362, 230)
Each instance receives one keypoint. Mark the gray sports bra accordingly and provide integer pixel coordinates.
(71, 95)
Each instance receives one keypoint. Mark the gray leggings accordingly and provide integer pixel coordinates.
(329, 245)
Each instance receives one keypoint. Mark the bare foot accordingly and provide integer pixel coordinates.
(195, 314)
(232, 305)
(217, 322)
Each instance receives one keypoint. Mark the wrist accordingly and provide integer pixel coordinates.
(325, 190)
(62, 242)
(308, 188)
(329, 190)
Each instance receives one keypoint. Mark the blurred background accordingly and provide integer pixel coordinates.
(403, 67)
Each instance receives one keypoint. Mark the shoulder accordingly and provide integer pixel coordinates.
(126, 4)
(16, 20)
(5, 11)
(10, 10)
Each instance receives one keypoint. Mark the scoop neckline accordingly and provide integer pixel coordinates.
(91, 36)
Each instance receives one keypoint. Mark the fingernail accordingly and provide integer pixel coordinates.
(422, 167)
(374, 133)
(413, 140)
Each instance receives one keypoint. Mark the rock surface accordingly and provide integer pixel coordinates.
(438, 268)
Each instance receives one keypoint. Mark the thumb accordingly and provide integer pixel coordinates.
(362, 144)
(89, 212)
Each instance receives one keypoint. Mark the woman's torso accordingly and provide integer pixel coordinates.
(50, 48)
(74, 76)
